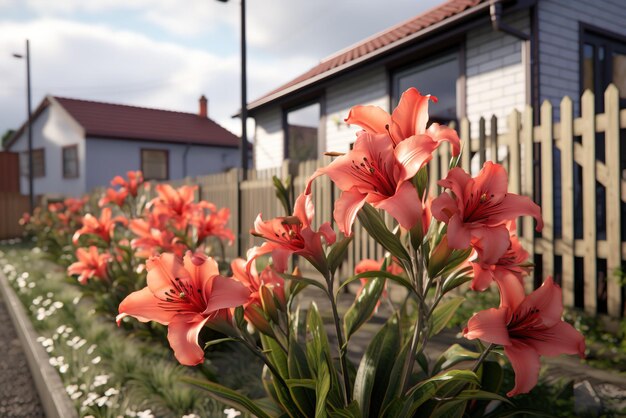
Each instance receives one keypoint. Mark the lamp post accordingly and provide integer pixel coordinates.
(244, 100)
(243, 151)
(28, 124)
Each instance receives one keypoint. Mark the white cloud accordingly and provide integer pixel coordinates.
(95, 62)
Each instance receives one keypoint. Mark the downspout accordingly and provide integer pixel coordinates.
(187, 148)
(495, 12)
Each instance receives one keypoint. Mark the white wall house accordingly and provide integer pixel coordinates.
(480, 58)
(79, 145)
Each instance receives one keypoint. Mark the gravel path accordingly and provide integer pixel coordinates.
(18, 395)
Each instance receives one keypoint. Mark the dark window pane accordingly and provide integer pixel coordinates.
(154, 164)
(302, 130)
(70, 162)
(619, 73)
(437, 77)
(588, 67)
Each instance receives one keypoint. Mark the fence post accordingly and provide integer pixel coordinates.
(514, 154)
(466, 143)
(527, 183)
(493, 138)
(482, 146)
(589, 198)
(547, 190)
(567, 200)
(613, 199)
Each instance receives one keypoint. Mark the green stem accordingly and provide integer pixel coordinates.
(482, 357)
(340, 342)
(255, 350)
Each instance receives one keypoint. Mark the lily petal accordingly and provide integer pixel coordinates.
(560, 339)
(225, 293)
(371, 118)
(415, 152)
(346, 209)
(144, 306)
(404, 205)
(489, 325)
(182, 335)
(548, 300)
(525, 362)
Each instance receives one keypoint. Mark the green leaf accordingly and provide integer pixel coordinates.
(228, 396)
(282, 193)
(452, 356)
(375, 226)
(477, 394)
(456, 279)
(363, 307)
(377, 274)
(375, 369)
(301, 383)
(299, 371)
(351, 411)
(305, 280)
(443, 314)
(218, 341)
(337, 254)
(321, 390)
(464, 376)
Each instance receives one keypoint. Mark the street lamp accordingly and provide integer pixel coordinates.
(28, 124)
(244, 104)
(243, 151)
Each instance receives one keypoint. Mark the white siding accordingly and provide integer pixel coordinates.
(268, 139)
(496, 81)
(52, 130)
(367, 89)
(107, 158)
(559, 47)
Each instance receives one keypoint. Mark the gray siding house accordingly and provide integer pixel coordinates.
(81, 144)
(480, 58)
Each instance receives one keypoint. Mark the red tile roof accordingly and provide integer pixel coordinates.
(106, 120)
(372, 44)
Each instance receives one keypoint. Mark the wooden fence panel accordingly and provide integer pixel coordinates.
(613, 199)
(588, 122)
(520, 140)
(567, 200)
(12, 207)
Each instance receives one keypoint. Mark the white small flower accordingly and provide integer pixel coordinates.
(49, 294)
(91, 348)
(84, 369)
(76, 300)
(190, 416)
(58, 304)
(63, 368)
(71, 389)
(231, 413)
(96, 360)
(102, 400)
(31, 285)
(145, 414)
(60, 329)
(76, 395)
(100, 380)
(112, 392)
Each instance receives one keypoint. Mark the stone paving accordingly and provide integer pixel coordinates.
(18, 395)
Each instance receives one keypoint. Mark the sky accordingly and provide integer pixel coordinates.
(166, 53)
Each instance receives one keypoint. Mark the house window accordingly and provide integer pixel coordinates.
(603, 62)
(303, 132)
(70, 161)
(39, 163)
(436, 76)
(155, 164)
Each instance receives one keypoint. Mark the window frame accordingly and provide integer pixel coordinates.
(589, 34)
(63, 166)
(26, 173)
(321, 127)
(167, 162)
(455, 49)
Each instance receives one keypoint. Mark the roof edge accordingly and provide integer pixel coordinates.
(380, 51)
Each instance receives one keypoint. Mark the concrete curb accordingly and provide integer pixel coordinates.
(54, 399)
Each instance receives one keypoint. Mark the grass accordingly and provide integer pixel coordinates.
(106, 371)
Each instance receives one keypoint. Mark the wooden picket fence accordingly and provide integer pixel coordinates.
(575, 191)
(12, 207)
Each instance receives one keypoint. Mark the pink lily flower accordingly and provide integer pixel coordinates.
(117, 197)
(510, 266)
(528, 327)
(90, 264)
(184, 295)
(135, 179)
(478, 209)
(102, 227)
(292, 235)
(213, 225)
(409, 118)
(377, 173)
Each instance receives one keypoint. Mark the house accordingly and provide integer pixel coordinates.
(81, 144)
(479, 57)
